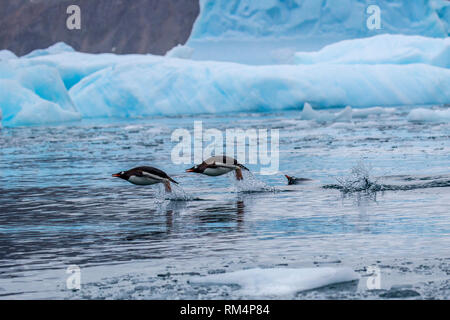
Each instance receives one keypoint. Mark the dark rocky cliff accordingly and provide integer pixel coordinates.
(120, 26)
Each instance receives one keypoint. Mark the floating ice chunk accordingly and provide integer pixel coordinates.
(429, 115)
(382, 49)
(7, 55)
(280, 281)
(309, 113)
(59, 47)
(180, 51)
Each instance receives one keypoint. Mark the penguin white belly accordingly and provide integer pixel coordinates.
(216, 171)
(143, 181)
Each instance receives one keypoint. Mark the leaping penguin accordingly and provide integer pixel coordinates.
(219, 165)
(145, 176)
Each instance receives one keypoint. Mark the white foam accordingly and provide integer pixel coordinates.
(280, 281)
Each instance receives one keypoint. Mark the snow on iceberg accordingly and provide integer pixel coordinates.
(58, 47)
(382, 49)
(7, 55)
(280, 281)
(429, 115)
(180, 51)
(174, 86)
(74, 66)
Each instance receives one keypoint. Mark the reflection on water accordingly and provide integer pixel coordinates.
(59, 205)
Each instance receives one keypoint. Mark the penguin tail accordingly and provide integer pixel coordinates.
(243, 167)
(170, 179)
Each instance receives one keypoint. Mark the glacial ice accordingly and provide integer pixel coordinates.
(256, 32)
(7, 55)
(381, 71)
(280, 281)
(33, 95)
(21, 106)
(180, 51)
(173, 86)
(382, 49)
(109, 85)
(59, 47)
(270, 18)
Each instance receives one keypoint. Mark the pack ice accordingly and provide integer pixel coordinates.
(280, 281)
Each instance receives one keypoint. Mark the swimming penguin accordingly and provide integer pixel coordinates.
(219, 165)
(145, 176)
(293, 180)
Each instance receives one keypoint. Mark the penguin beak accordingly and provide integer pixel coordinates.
(116, 175)
(287, 177)
(190, 170)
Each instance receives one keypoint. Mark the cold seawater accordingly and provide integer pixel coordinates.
(59, 206)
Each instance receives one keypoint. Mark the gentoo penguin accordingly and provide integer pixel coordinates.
(218, 165)
(293, 180)
(145, 176)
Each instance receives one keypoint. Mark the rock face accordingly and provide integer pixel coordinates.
(119, 26)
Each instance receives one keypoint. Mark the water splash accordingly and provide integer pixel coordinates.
(359, 180)
(249, 184)
(177, 194)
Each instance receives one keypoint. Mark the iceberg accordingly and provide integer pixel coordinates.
(254, 32)
(174, 86)
(270, 18)
(280, 281)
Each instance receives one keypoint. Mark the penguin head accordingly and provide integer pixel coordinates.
(122, 175)
(291, 180)
(195, 169)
